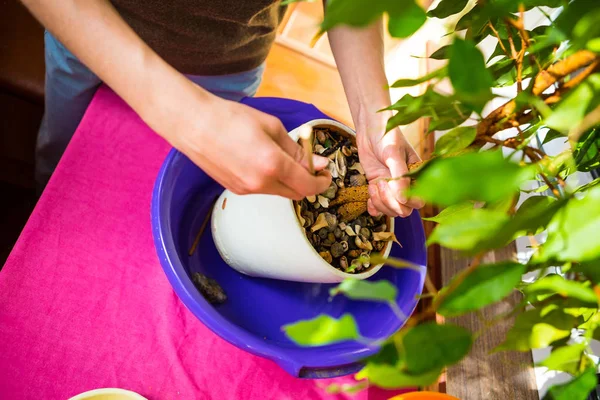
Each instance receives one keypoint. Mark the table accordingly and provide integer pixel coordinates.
(84, 302)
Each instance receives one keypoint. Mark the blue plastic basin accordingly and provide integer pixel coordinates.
(256, 309)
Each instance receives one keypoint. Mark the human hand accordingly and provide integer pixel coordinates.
(245, 150)
(383, 156)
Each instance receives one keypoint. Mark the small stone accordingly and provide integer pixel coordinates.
(340, 183)
(209, 288)
(311, 199)
(331, 191)
(357, 180)
(326, 256)
(362, 221)
(342, 225)
(343, 263)
(332, 222)
(380, 228)
(378, 246)
(321, 137)
(344, 245)
(349, 231)
(319, 149)
(337, 250)
(316, 240)
(363, 243)
(354, 253)
(346, 151)
(323, 233)
(357, 167)
(337, 232)
(323, 201)
(345, 238)
(365, 232)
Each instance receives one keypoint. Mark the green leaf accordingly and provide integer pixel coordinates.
(455, 140)
(391, 377)
(576, 389)
(447, 8)
(531, 218)
(365, 290)
(538, 328)
(591, 269)
(450, 211)
(406, 17)
(575, 12)
(479, 176)
(445, 111)
(565, 358)
(587, 151)
(431, 346)
(573, 231)
(467, 231)
(593, 45)
(484, 286)
(412, 82)
(587, 28)
(323, 330)
(575, 106)
(557, 284)
(553, 134)
(442, 53)
(470, 78)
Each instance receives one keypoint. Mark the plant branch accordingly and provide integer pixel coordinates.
(543, 81)
(499, 40)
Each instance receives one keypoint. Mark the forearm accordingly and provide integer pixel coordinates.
(359, 55)
(95, 33)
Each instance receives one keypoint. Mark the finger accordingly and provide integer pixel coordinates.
(297, 152)
(389, 200)
(319, 163)
(300, 180)
(372, 210)
(281, 189)
(415, 202)
(377, 202)
(395, 160)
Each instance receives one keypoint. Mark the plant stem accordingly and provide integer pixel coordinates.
(457, 281)
(306, 134)
(202, 228)
(498, 37)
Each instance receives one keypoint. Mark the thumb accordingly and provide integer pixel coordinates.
(297, 152)
(319, 162)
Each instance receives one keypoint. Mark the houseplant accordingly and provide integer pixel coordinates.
(555, 72)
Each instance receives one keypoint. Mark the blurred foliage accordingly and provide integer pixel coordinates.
(477, 176)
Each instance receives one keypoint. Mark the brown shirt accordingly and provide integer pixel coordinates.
(206, 37)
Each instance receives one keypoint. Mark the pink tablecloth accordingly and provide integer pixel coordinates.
(84, 302)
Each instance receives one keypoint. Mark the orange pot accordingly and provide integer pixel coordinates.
(424, 396)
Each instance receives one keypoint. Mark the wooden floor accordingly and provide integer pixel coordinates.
(292, 75)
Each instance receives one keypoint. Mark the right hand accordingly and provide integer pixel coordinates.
(245, 150)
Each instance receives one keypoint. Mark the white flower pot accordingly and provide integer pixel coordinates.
(260, 236)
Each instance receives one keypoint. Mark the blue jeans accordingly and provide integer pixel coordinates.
(70, 86)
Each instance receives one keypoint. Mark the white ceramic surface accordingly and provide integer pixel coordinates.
(108, 394)
(260, 236)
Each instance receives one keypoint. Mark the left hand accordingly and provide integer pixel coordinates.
(382, 156)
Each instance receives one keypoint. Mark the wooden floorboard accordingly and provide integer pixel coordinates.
(484, 376)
